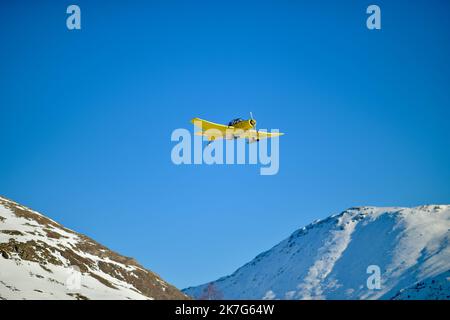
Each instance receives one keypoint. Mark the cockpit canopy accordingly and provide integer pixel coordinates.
(234, 121)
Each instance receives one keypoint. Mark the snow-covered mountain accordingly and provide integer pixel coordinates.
(40, 259)
(339, 258)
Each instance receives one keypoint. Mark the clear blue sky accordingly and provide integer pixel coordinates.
(86, 119)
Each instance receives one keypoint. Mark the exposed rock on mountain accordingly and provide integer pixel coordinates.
(40, 259)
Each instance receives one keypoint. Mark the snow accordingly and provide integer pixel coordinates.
(329, 258)
(435, 288)
(28, 280)
(25, 279)
(311, 287)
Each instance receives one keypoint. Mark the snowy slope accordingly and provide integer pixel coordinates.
(434, 288)
(329, 259)
(40, 259)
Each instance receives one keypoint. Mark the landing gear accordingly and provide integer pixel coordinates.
(252, 140)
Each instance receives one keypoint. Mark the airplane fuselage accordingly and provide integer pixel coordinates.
(244, 125)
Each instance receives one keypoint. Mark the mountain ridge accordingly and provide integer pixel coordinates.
(41, 259)
(328, 259)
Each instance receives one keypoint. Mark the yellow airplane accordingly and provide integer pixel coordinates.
(237, 128)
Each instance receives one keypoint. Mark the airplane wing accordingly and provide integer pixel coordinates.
(215, 131)
(207, 125)
(254, 135)
(211, 130)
